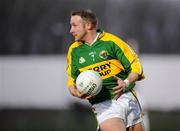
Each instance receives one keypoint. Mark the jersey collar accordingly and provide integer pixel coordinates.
(97, 35)
(100, 34)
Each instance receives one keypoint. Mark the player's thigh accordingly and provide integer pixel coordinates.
(136, 127)
(113, 124)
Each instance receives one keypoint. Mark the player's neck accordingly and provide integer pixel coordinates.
(90, 37)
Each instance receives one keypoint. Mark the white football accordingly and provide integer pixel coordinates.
(89, 82)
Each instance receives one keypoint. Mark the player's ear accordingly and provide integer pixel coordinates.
(89, 26)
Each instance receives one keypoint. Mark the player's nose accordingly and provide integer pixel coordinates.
(71, 30)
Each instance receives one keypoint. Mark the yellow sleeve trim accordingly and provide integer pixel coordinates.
(70, 81)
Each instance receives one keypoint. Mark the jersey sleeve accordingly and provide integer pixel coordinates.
(128, 58)
(71, 70)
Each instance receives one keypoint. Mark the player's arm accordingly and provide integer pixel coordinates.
(123, 84)
(132, 66)
(73, 72)
(72, 86)
(132, 78)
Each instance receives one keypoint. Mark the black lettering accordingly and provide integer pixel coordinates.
(104, 73)
(109, 65)
(93, 86)
(96, 69)
(108, 71)
(102, 67)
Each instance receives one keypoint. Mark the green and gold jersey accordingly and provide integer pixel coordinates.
(109, 56)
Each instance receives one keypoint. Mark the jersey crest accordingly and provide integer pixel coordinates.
(103, 54)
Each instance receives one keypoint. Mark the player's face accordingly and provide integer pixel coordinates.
(78, 27)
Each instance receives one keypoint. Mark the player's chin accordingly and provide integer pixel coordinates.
(76, 38)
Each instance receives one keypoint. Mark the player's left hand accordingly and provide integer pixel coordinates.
(119, 89)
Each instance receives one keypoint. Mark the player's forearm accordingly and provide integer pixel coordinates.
(132, 78)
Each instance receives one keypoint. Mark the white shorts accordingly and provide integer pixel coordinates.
(126, 107)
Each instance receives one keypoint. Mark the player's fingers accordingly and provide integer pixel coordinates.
(83, 96)
(118, 95)
(79, 94)
(74, 93)
(117, 78)
(118, 91)
(116, 88)
(89, 97)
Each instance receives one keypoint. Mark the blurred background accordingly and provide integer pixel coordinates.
(34, 39)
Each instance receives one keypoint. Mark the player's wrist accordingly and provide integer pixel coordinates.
(127, 83)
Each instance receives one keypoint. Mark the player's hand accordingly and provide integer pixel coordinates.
(75, 92)
(84, 96)
(119, 89)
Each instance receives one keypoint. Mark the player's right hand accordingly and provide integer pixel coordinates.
(74, 91)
